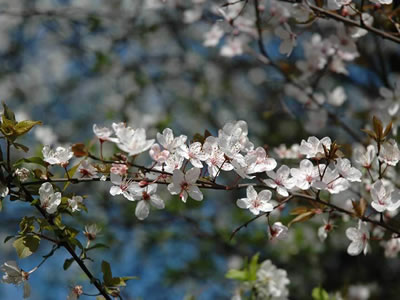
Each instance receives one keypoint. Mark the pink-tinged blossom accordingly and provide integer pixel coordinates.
(288, 39)
(48, 199)
(324, 230)
(233, 47)
(384, 197)
(74, 202)
(256, 202)
(132, 141)
(86, 170)
(232, 138)
(359, 239)
(262, 162)
(119, 169)
(213, 36)
(146, 196)
(15, 275)
(4, 190)
(184, 184)
(22, 174)
(194, 153)
(280, 180)
(278, 231)
(306, 175)
(392, 246)
(157, 155)
(122, 186)
(314, 147)
(332, 181)
(169, 142)
(174, 161)
(104, 134)
(343, 166)
(390, 153)
(60, 156)
(75, 293)
(365, 158)
(216, 158)
(292, 153)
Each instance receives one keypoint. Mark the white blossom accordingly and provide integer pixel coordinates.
(390, 153)
(86, 170)
(169, 142)
(213, 36)
(314, 147)
(184, 184)
(132, 141)
(288, 39)
(256, 202)
(194, 153)
(272, 282)
(348, 172)
(365, 158)
(22, 174)
(306, 175)
(279, 231)
(48, 199)
(15, 275)
(122, 185)
(158, 155)
(60, 156)
(384, 197)
(359, 239)
(216, 160)
(104, 134)
(280, 180)
(332, 181)
(146, 196)
(74, 202)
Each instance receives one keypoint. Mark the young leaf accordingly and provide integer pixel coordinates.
(319, 293)
(26, 245)
(24, 126)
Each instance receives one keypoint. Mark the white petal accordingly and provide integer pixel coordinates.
(115, 190)
(243, 203)
(251, 193)
(195, 193)
(353, 234)
(157, 202)
(265, 195)
(142, 210)
(192, 175)
(355, 248)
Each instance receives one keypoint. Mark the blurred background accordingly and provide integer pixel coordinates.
(73, 63)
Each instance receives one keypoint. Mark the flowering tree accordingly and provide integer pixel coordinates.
(344, 183)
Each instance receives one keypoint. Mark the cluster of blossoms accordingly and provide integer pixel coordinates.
(321, 169)
(270, 283)
(318, 171)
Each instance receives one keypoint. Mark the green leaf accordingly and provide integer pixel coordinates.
(236, 275)
(8, 113)
(31, 160)
(20, 146)
(67, 263)
(24, 126)
(319, 293)
(71, 173)
(253, 267)
(107, 274)
(26, 225)
(113, 281)
(99, 245)
(26, 245)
